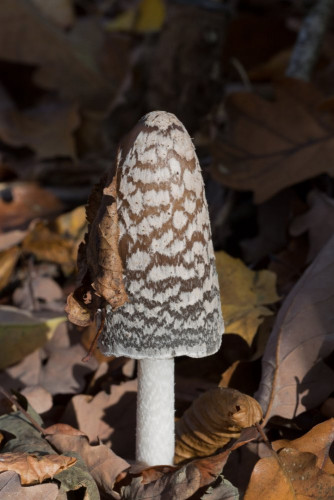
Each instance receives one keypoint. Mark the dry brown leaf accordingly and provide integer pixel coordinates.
(26, 201)
(65, 372)
(60, 12)
(184, 481)
(66, 61)
(46, 128)
(35, 469)
(102, 463)
(8, 260)
(272, 144)
(99, 262)
(244, 294)
(10, 488)
(47, 245)
(302, 469)
(38, 397)
(317, 441)
(22, 332)
(318, 221)
(212, 421)
(295, 377)
(109, 417)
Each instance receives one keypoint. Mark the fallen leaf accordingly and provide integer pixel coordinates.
(22, 332)
(60, 12)
(273, 144)
(317, 441)
(212, 421)
(8, 260)
(244, 294)
(47, 128)
(27, 439)
(38, 397)
(109, 417)
(11, 238)
(47, 245)
(318, 221)
(295, 377)
(21, 202)
(34, 469)
(10, 487)
(64, 372)
(273, 69)
(302, 468)
(103, 464)
(272, 221)
(66, 61)
(184, 481)
(23, 374)
(222, 489)
(99, 261)
(147, 17)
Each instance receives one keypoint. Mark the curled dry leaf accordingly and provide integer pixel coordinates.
(184, 481)
(103, 464)
(272, 144)
(244, 294)
(35, 469)
(295, 377)
(301, 469)
(99, 262)
(212, 420)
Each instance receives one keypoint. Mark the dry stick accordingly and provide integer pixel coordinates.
(25, 413)
(309, 40)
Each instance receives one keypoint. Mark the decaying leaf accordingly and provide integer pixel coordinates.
(10, 487)
(147, 17)
(111, 417)
(301, 469)
(295, 377)
(60, 12)
(47, 128)
(8, 260)
(212, 421)
(104, 466)
(34, 469)
(99, 262)
(272, 144)
(318, 221)
(244, 294)
(23, 201)
(184, 481)
(66, 62)
(22, 332)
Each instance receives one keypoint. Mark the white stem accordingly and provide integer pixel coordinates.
(155, 412)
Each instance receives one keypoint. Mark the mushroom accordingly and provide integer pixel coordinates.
(171, 305)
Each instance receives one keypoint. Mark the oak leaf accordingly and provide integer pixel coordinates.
(34, 469)
(301, 468)
(212, 421)
(21, 333)
(272, 144)
(244, 294)
(295, 377)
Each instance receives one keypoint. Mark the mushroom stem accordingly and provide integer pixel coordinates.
(155, 412)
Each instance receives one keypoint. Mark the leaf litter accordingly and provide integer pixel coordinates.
(81, 75)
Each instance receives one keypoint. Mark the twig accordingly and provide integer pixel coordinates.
(25, 413)
(309, 40)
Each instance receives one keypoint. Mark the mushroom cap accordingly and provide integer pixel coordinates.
(165, 245)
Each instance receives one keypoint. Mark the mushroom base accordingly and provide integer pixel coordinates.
(155, 412)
